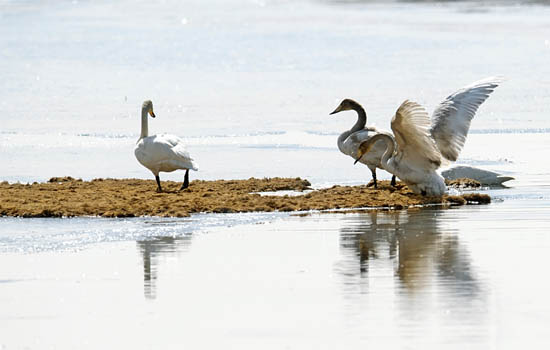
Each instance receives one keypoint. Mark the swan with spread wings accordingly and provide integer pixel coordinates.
(421, 146)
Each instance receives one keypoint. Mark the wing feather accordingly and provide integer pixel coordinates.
(451, 119)
(177, 147)
(164, 153)
(411, 126)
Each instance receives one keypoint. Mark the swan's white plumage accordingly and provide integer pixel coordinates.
(411, 127)
(349, 142)
(350, 146)
(421, 146)
(416, 158)
(164, 153)
(485, 177)
(451, 119)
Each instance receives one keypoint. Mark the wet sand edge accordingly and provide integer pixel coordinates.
(69, 197)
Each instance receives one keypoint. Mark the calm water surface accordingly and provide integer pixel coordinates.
(470, 277)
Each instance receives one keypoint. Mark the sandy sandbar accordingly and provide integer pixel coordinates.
(66, 197)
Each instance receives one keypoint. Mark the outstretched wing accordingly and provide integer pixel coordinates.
(411, 126)
(451, 119)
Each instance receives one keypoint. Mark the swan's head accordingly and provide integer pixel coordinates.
(147, 107)
(346, 105)
(364, 148)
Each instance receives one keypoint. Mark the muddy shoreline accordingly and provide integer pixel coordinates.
(68, 197)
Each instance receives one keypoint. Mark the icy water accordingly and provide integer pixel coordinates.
(249, 85)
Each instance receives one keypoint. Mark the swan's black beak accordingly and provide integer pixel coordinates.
(359, 156)
(152, 114)
(339, 109)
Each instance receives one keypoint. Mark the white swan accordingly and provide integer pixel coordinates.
(421, 146)
(349, 140)
(161, 152)
(484, 177)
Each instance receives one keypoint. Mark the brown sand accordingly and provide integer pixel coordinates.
(131, 197)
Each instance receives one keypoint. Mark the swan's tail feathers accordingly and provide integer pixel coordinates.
(503, 179)
(184, 157)
(485, 177)
(193, 166)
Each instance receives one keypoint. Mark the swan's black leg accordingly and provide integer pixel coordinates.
(423, 192)
(374, 178)
(159, 189)
(185, 180)
(393, 181)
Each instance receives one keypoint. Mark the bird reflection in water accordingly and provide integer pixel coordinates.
(152, 250)
(415, 245)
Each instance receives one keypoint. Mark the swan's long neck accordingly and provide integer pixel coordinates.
(144, 125)
(343, 136)
(361, 118)
(359, 125)
(390, 149)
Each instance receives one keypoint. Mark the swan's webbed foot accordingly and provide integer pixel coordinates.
(185, 180)
(159, 189)
(423, 192)
(393, 181)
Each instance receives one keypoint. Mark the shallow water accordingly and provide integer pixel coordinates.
(468, 277)
(249, 85)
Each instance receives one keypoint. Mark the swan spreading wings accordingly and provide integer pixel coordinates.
(422, 145)
(161, 152)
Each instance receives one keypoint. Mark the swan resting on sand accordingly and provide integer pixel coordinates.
(349, 140)
(484, 177)
(161, 152)
(422, 145)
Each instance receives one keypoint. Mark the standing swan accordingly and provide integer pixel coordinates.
(161, 152)
(421, 146)
(349, 140)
